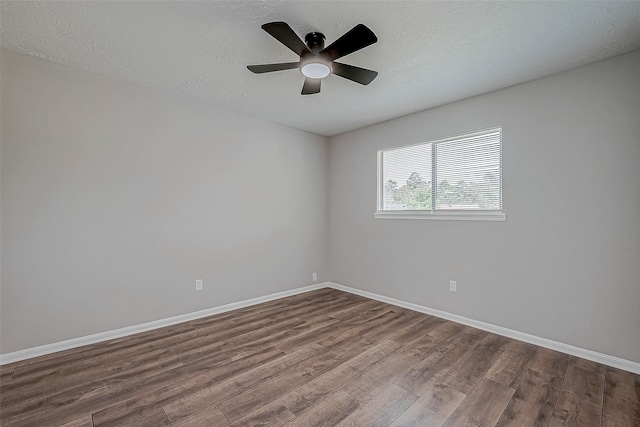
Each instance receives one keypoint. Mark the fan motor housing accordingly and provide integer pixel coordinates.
(315, 41)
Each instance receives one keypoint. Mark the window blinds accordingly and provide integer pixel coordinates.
(462, 173)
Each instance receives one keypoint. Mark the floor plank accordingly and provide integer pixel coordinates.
(207, 418)
(381, 409)
(432, 409)
(576, 411)
(314, 391)
(621, 405)
(533, 402)
(149, 417)
(512, 364)
(272, 414)
(483, 406)
(276, 385)
(467, 372)
(551, 362)
(329, 412)
(588, 384)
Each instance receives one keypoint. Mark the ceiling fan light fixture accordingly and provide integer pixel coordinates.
(315, 70)
(316, 61)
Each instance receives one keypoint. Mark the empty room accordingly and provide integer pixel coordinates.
(320, 213)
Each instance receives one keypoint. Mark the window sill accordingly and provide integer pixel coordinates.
(447, 216)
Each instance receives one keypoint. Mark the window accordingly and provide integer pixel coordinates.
(466, 170)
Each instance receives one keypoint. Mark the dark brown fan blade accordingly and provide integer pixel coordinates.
(282, 32)
(267, 68)
(311, 86)
(355, 39)
(357, 74)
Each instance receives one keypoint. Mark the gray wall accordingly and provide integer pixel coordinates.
(566, 263)
(115, 200)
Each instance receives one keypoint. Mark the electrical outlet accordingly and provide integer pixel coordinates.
(199, 285)
(314, 276)
(452, 285)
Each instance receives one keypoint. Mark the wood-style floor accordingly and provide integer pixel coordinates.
(323, 358)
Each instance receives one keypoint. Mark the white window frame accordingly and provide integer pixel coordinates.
(464, 215)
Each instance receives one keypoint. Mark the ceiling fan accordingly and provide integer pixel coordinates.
(316, 61)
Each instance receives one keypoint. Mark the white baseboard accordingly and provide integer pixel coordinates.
(594, 356)
(42, 350)
(605, 359)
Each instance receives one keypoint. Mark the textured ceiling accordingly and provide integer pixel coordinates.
(428, 53)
